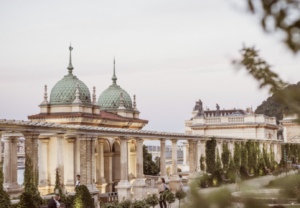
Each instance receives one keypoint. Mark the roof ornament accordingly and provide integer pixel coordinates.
(121, 106)
(218, 110)
(114, 77)
(45, 102)
(70, 67)
(199, 107)
(134, 103)
(77, 100)
(94, 96)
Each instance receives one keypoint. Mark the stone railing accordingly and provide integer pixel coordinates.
(151, 181)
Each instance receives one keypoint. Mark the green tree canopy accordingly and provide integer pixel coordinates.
(150, 167)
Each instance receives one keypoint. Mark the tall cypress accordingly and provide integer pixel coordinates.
(225, 157)
(237, 155)
(4, 196)
(210, 158)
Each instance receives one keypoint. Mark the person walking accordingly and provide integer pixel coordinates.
(237, 180)
(163, 187)
(77, 182)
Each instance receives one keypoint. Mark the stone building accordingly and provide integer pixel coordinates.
(20, 152)
(291, 128)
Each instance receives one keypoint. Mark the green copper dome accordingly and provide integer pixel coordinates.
(64, 91)
(109, 100)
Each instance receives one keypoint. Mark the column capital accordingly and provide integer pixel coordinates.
(45, 140)
(71, 140)
(124, 138)
(101, 140)
(162, 140)
(31, 134)
(174, 140)
(10, 139)
(139, 139)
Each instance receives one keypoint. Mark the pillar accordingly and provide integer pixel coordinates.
(77, 156)
(198, 155)
(192, 158)
(70, 164)
(268, 147)
(261, 146)
(163, 172)
(101, 182)
(139, 183)
(60, 158)
(124, 186)
(108, 157)
(231, 148)
(174, 180)
(185, 152)
(31, 146)
(43, 163)
(11, 166)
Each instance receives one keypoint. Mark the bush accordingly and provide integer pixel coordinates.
(180, 195)
(210, 158)
(152, 200)
(83, 198)
(4, 197)
(202, 165)
(216, 178)
(168, 196)
(243, 172)
(125, 204)
(140, 204)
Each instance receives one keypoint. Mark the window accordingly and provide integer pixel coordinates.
(187, 124)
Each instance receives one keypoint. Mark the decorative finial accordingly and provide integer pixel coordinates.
(121, 106)
(114, 77)
(77, 99)
(70, 67)
(94, 96)
(45, 102)
(134, 103)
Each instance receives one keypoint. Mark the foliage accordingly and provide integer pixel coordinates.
(4, 197)
(280, 16)
(140, 204)
(124, 204)
(152, 200)
(237, 155)
(218, 161)
(289, 184)
(244, 158)
(251, 156)
(230, 173)
(168, 196)
(83, 198)
(150, 167)
(216, 178)
(210, 158)
(180, 195)
(266, 158)
(261, 166)
(202, 165)
(225, 157)
(26, 200)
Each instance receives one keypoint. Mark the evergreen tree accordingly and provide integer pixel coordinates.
(202, 165)
(266, 158)
(237, 155)
(225, 157)
(4, 196)
(150, 167)
(230, 173)
(210, 158)
(251, 156)
(26, 200)
(83, 198)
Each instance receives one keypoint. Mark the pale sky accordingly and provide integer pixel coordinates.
(169, 53)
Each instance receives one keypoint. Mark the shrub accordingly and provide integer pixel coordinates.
(152, 200)
(216, 178)
(4, 197)
(225, 157)
(168, 196)
(125, 204)
(180, 195)
(83, 198)
(140, 204)
(202, 165)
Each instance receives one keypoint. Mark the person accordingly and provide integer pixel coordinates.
(268, 170)
(54, 202)
(163, 187)
(77, 182)
(181, 185)
(237, 180)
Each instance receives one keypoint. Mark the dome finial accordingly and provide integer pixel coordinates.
(94, 96)
(114, 78)
(134, 103)
(121, 106)
(77, 99)
(70, 67)
(45, 102)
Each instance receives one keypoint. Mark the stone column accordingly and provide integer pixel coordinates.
(60, 158)
(31, 146)
(108, 157)
(198, 154)
(175, 180)
(203, 148)
(185, 152)
(139, 183)
(70, 166)
(11, 166)
(101, 182)
(192, 158)
(43, 162)
(163, 172)
(129, 161)
(77, 156)
(231, 148)
(124, 186)
(261, 146)
(268, 147)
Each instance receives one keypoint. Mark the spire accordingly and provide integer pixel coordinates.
(134, 103)
(114, 78)
(45, 102)
(70, 67)
(121, 106)
(77, 99)
(94, 96)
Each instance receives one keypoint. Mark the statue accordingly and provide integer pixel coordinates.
(200, 108)
(218, 110)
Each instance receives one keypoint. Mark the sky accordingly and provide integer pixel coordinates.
(169, 53)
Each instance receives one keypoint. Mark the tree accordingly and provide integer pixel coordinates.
(225, 157)
(202, 165)
(168, 196)
(150, 167)
(237, 155)
(210, 158)
(4, 197)
(152, 200)
(180, 195)
(26, 200)
(83, 198)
